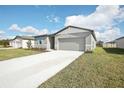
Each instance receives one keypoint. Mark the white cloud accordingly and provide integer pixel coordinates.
(120, 16)
(4, 36)
(1, 32)
(102, 19)
(103, 16)
(109, 34)
(28, 29)
(14, 27)
(43, 31)
(53, 18)
(54, 31)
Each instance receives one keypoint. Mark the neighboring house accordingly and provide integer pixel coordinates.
(110, 44)
(21, 41)
(69, 38)
(120, 42)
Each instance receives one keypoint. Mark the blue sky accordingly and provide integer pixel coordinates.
(35, 20)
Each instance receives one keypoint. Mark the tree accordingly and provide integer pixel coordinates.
(5, 43)
(29, 44)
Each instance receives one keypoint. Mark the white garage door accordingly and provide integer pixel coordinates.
(75, 44)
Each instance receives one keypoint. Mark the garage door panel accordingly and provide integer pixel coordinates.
(75, 44)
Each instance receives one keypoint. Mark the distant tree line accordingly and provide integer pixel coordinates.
(4, 43)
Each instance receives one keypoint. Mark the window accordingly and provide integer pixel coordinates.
(40, 41)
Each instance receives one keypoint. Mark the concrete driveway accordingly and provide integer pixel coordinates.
(31, 71)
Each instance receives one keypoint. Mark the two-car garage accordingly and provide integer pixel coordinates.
(75, 44)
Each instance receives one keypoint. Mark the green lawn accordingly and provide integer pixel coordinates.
(1, 46)
(102, 68)
(12, 53)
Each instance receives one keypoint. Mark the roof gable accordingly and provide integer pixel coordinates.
(89, 30)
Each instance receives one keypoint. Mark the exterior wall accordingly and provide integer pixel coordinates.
(120, 43)
(44, 41)
(17, 43)
(90, 43)
(56, 42)
(48, 43)
(11, 43)
(93, 43)
(33, 43)
(24, 43)
(109, 45)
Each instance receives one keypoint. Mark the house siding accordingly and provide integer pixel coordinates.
(45, 42)
(48, 43)
(93, 43)
(90, 43)
(24, 43)
(17, 43)
(120, 43)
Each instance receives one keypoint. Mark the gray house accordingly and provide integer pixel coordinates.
(120, 42)
(69, 38)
